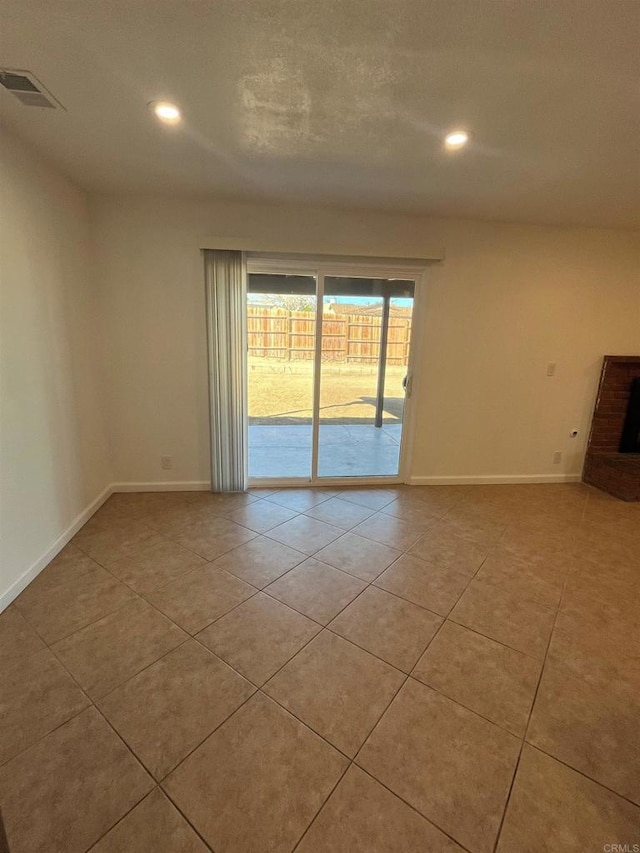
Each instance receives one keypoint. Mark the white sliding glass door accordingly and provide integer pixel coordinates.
(366, 331)
(328, 367)
(281, 343)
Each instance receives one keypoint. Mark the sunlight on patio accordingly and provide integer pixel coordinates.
(280, 420)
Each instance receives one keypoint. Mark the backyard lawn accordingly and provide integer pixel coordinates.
(282, 393)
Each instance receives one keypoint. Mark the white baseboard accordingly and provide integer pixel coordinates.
(170, 486)
(33, 571)
(197, 486)
(488, 479)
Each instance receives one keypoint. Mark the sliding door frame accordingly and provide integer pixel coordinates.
(320, 268)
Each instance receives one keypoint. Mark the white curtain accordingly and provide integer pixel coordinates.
(225, 277)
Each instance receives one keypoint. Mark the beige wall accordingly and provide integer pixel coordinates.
(53, 457)
(506, 301)
(103, 348)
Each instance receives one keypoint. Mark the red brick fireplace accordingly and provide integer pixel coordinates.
(605, 466)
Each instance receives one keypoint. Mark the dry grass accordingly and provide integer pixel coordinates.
(283, 392)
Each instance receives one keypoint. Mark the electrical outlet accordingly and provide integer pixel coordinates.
(166, 463)
(551, 368)
(557, 457)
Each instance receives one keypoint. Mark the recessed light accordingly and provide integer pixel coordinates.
(166, 112)
(456, 139)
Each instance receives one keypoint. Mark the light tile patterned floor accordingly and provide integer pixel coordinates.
(381, 670)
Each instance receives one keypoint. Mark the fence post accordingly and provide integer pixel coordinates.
(289, 341)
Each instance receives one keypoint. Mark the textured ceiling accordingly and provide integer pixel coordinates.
(343, 101)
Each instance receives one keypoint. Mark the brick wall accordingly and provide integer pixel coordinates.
(616, 476)
(612, 402)
(606, 468)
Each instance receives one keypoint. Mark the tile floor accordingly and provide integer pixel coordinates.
(381, 670)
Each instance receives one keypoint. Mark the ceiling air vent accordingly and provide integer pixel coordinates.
(28, 89)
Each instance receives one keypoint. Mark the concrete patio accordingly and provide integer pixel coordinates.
(345, 450)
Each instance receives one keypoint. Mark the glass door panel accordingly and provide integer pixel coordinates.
(281, 333)
(366, 330)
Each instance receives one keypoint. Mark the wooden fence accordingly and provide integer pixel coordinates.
(277, 333)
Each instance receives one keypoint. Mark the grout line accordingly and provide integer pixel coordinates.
(412, 807)
(349, 758)
(156, 784)
(304, 722)
(119, 821)
(140, 671)
(185, 818)
(535, 695)
(323, 804)
(98, 711)
(206, 737)
(400, 688)
(51, 643)
(379, 720)
(584, 775)
(209, 564)
(233, 713)
(143, 596)
(462, 705)
(125, 815)
(246, 678)
(575, 529)
(325, 628)
(373, 654)
(408, 676)
(493, 640)
(46, 734)
(367, 584)
(100, 618)
(271, 499)
(194, 634)
(367, 506)
(393, 594)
